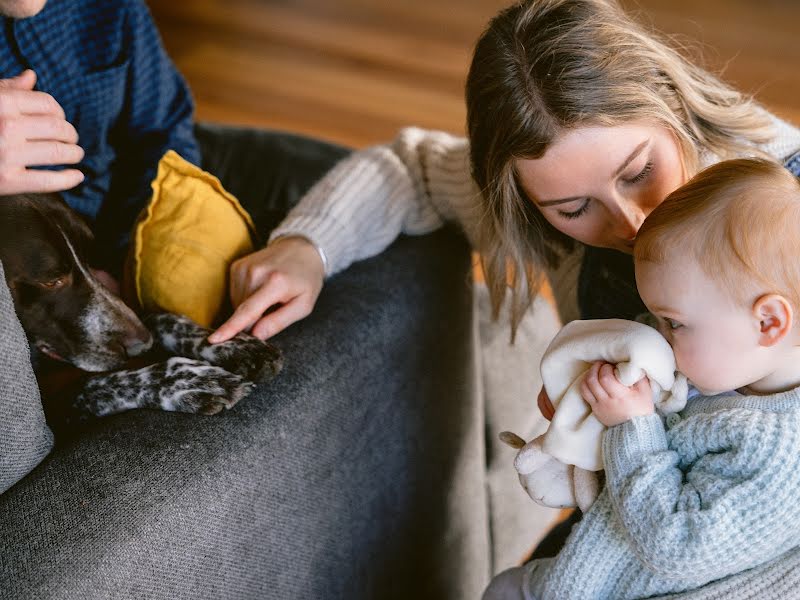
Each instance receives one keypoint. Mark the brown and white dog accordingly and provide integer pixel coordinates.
(71, 317)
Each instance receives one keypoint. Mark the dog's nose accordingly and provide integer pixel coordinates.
(137, 342)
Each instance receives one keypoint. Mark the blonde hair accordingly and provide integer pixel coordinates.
(740, 221)
(545, 66)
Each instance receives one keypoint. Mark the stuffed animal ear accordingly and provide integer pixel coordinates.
(511, 439)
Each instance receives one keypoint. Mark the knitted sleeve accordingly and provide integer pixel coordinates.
(413, 186)
(720, 498)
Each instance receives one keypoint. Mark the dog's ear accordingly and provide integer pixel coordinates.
(76, 229)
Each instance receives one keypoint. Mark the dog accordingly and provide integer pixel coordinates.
(70, 317)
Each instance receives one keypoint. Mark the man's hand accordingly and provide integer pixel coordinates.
(272, 288)
(612, 402)
(34, 132)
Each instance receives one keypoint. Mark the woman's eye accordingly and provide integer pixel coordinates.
(642, 174)
(672, 324)
(575, 214)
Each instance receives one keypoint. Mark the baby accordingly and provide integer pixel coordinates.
(711, 493)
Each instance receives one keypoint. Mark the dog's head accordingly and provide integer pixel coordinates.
(65, 311)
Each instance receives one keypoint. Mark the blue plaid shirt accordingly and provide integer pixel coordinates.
(103, 61)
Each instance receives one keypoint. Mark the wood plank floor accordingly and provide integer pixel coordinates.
(355, 71)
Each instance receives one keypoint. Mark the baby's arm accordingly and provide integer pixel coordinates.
(721, 501)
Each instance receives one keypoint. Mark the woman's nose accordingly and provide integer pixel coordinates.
(627, 220)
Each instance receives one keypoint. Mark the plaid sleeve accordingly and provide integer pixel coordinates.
(158, 116)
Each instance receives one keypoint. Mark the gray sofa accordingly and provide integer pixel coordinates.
(358, 473)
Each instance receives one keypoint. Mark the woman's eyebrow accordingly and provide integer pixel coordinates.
(634, 154)
(561, 201)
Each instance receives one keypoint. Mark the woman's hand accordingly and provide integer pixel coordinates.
(545, 406)
(272, 288)
(612, 402)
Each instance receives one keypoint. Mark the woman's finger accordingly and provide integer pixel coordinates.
(247, 314)
(280, 318)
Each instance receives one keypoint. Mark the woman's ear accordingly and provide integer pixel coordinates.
(775, 317)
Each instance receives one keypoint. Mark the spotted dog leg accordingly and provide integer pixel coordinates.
(244, 354)
(177, 384)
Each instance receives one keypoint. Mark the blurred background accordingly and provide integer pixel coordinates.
(356, 71)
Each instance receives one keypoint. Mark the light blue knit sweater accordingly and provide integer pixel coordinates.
(715, 494)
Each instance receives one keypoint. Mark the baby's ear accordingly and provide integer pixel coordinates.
(775, 317)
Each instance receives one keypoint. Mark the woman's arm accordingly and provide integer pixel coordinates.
(411, 186)
(721, 500)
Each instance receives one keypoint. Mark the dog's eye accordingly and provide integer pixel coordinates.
(54, 284)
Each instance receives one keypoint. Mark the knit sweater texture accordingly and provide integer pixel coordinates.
(710, 497)
(412, 185)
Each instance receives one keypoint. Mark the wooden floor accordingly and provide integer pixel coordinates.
(355, 71)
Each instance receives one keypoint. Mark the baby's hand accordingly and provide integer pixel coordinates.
(612, 402)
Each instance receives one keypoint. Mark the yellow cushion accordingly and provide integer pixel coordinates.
(185, 241)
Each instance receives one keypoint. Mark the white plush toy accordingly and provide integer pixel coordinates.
(560, 467)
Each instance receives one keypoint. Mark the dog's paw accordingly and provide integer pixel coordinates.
(194, 386)
(245, 355)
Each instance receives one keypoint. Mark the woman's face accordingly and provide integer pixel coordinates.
(597, 184)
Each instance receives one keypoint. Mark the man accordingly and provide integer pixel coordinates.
(88, 83)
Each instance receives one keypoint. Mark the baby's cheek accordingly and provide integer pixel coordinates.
(701, 368)
(690, 362)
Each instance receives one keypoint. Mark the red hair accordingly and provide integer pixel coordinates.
(740, 220)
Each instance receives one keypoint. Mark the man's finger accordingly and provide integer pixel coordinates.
(46, 127)
(27, 102)
(24, 81)
(37, 154)
(37, 180)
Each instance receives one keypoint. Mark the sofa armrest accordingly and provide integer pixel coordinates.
(24, 436)
(357, 473)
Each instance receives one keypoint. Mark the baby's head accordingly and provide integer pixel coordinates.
(718, 262)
